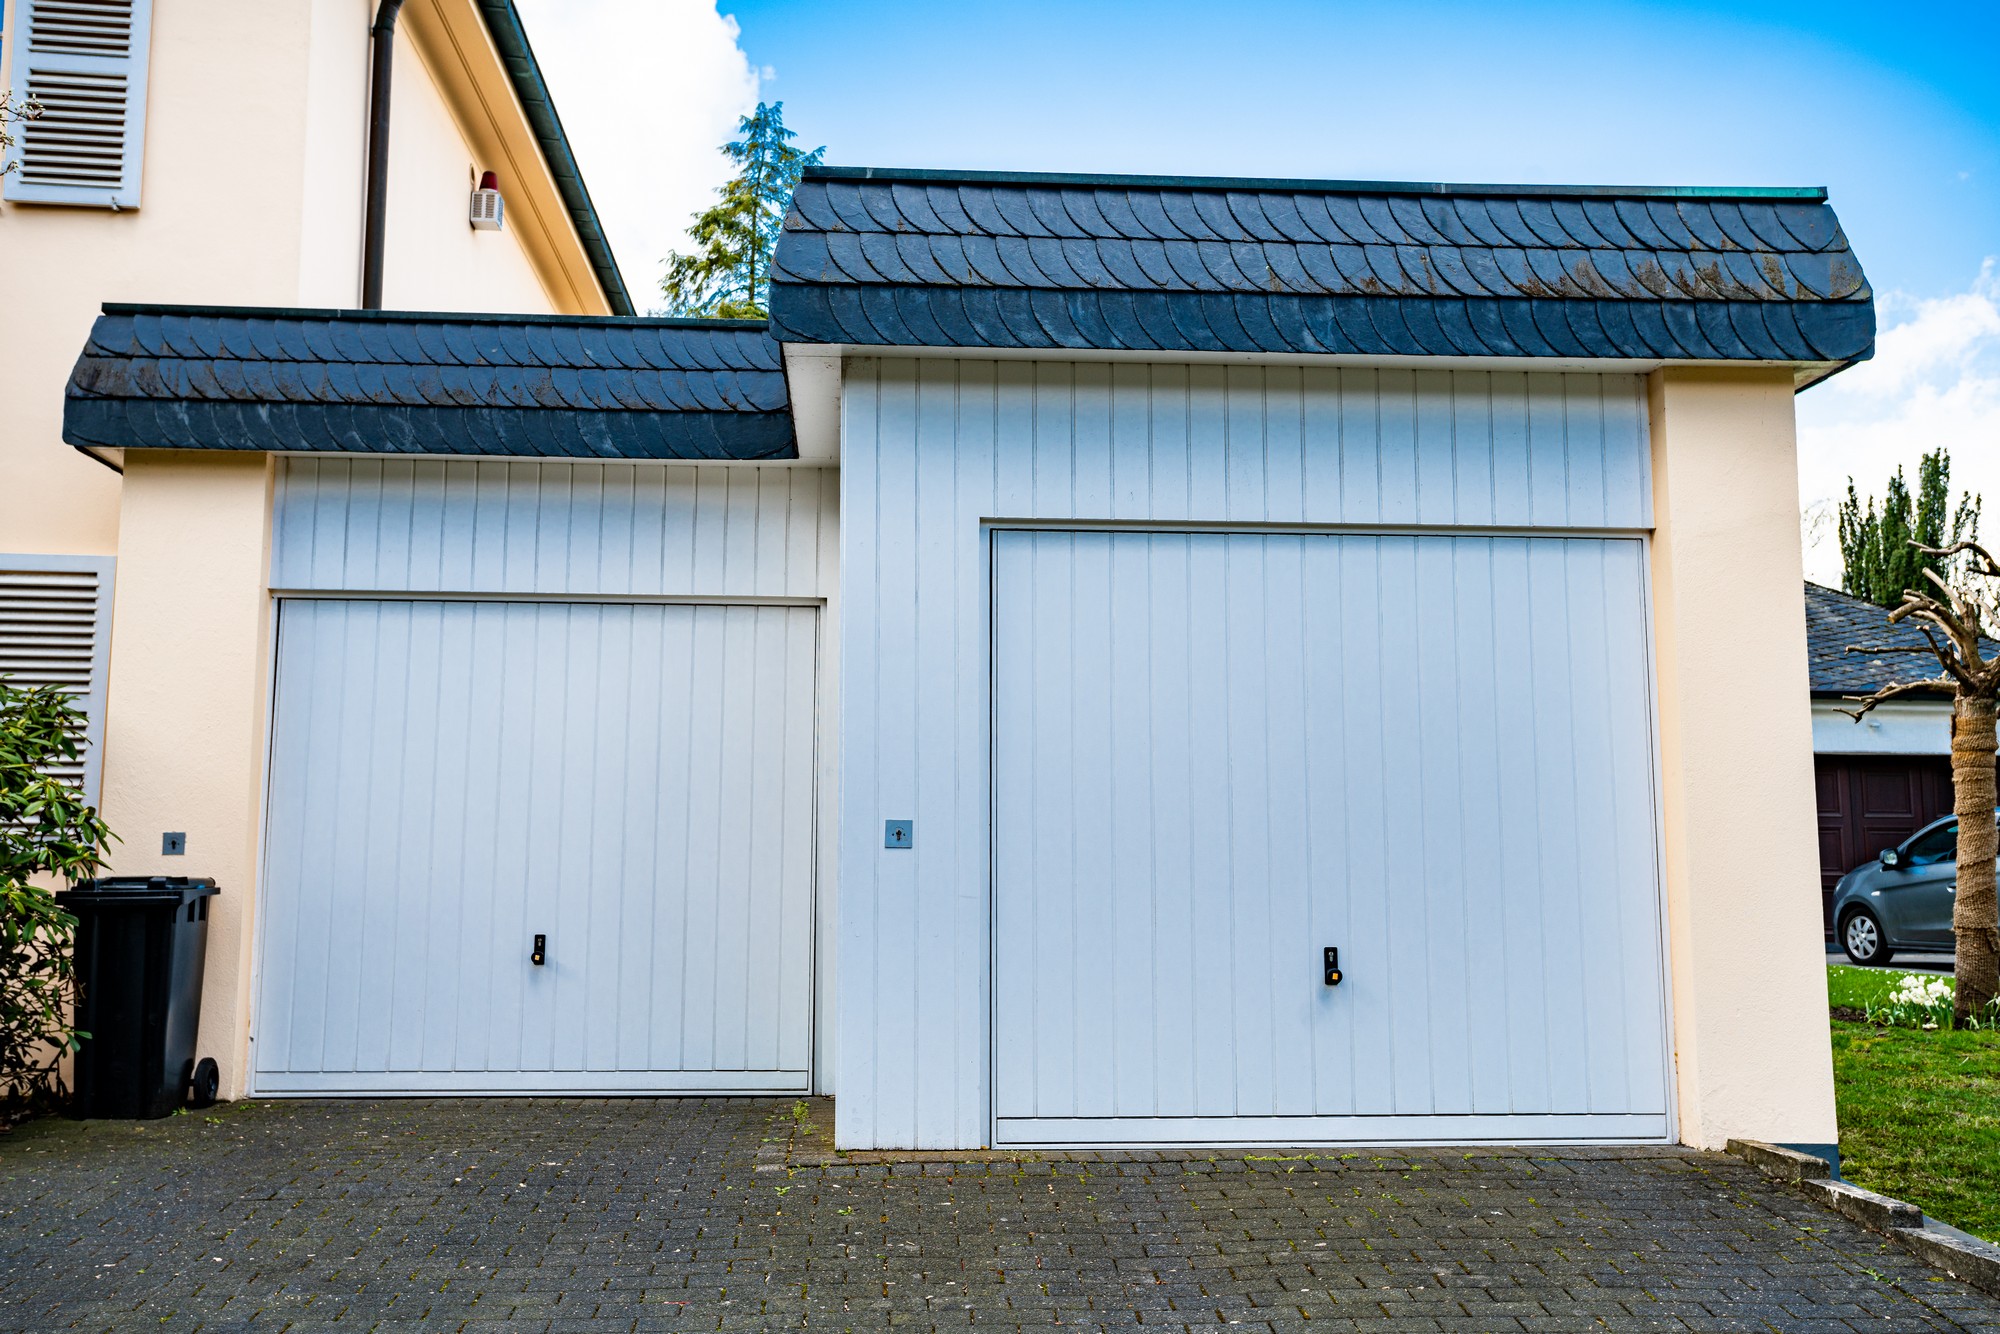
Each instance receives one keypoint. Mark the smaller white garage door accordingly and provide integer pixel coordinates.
(1216, 755)
(451, 780)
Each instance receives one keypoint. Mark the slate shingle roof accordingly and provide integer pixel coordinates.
(912, 258)
(1834, 620)
(395, 382)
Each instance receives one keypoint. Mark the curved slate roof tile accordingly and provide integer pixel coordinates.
(399, 382)
(913, 204)
(1137, 262)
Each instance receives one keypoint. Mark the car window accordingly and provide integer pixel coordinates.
(1938, 845)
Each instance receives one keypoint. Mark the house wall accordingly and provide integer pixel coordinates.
(931, 448)
(1749, 979)
(220, 221)
(256, 121)
(193, 751)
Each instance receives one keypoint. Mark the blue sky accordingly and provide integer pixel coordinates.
(1899, 117)
(1894, 108)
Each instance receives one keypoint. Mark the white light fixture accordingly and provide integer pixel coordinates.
(487, 208)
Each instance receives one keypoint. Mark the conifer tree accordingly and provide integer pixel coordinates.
(729, 274)
(1884, 554)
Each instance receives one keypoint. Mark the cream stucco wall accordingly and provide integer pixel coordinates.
(1742, 868)
(435, 260)
(190, 637)
(255, 139)
(219, 223)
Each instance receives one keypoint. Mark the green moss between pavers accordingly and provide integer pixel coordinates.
(1919, 1113)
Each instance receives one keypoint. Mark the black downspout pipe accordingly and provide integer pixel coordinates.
(375, 224)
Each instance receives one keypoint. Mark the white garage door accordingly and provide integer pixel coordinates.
(450, 780)
(1217, 754)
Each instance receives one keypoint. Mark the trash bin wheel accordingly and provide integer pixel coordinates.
(203, 1083)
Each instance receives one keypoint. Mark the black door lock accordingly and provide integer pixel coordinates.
(1332, 965)
(541, 954)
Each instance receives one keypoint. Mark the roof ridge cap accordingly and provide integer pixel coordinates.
(942, 176)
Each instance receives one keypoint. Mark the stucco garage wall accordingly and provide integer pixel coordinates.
(184, 732)
(932, 448)
(1749, 976)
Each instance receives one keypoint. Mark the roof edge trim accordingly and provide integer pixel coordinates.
(941, 177)
(419, 316)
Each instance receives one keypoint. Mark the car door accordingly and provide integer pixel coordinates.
(1918, 894)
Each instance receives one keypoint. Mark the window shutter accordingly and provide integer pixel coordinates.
(55, 628)
(85, 62)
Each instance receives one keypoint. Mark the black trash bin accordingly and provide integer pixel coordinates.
(139, 945)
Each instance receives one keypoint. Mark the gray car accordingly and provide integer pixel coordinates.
(1902, 900)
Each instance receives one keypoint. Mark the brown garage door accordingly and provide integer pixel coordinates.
(1868, 803)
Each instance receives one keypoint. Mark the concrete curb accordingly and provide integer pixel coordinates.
(1964, 1257)
(1864, 1206)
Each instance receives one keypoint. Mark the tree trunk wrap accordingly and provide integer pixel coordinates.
(1975, 916)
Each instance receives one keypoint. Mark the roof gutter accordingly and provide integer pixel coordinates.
(382, 37)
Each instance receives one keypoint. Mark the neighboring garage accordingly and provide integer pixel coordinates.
(1883, 778)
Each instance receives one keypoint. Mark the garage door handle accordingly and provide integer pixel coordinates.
(1333, 965)
(540, 955)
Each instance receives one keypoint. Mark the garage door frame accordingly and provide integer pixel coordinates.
(669, 1083)
(1265, 1132)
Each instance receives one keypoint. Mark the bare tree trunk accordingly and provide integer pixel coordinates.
(1975, 925)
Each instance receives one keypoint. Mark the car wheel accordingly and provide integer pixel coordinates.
(1861, 935)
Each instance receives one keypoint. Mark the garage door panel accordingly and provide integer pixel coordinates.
(1433, 752)
(449, 779)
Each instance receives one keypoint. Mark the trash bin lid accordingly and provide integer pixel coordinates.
(136, 889)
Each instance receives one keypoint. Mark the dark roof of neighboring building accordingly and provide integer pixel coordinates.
(402, 382)
(503, 23)
(1834, 620)
(971, 259)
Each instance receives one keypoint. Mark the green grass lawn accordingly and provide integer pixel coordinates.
(1857, 988)
(1919, 1111)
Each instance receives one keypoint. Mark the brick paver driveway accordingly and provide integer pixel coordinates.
(632, 1214)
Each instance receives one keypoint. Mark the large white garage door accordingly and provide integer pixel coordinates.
(1216, 755)
(451, 780)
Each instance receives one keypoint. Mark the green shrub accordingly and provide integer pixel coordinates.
(47, 833)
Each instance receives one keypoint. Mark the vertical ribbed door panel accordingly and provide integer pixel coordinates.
(450, 780)
(1217, 754)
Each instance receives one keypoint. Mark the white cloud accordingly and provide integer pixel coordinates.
(646, 89)
(1934, 380)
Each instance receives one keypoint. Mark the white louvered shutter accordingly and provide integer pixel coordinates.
(55, 628)
(85, 62)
